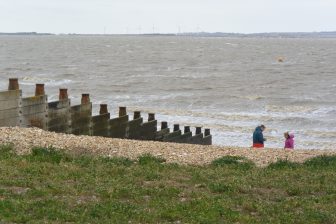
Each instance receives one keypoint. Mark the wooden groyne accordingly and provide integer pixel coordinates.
(62, 117)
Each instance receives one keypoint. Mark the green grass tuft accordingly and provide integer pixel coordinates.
(148, 159)
(49, 155)
(236, 161)
(322, 161)
(227, 160)
(6, 151)
(283, 164)
(220, 187)
(117, 161)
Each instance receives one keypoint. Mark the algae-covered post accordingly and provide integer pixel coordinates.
(34, 110)
(164, 125)
(100, 123)
(151, 117)
(59, 113)
(149, 129)
(137, 115)
(164, 131)
(185, 137)
(118, 125)
(198, 137)
(207, 140)
(134, 128)
(81, 116)
(173, 136)
(103, 109)
(122, 111)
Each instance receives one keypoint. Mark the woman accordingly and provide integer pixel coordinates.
(258, 137)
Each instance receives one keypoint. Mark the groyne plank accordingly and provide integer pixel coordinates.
(184, 138)
(207, 140)
(160, 134)
(196, 139)
(10, 122)
(34, 112)
(9, 113)
(10, 102)
(100, 125)
(133, 129)
(59, 116)
(10, 95)
(38, 120)
(148, 130)
(173, 136)
(81, 119)
(118, 126)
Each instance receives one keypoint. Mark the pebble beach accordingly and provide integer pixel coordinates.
(24, 139)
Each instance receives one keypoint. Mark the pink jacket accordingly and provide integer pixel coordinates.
(289, 143)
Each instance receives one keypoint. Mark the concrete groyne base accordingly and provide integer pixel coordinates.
(23, 139)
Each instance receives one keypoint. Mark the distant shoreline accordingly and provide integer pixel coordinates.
(331, 34)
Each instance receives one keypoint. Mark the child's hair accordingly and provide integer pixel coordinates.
(286, 134)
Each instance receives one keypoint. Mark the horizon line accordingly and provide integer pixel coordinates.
(174, 33)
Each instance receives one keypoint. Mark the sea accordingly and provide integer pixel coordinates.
(230, 85)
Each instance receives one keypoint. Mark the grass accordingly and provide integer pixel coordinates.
(49, 186)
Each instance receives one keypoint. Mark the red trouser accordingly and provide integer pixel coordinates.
(258, 145)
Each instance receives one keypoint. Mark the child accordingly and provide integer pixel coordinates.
(289, 143)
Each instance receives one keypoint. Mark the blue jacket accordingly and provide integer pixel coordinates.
(258, 136)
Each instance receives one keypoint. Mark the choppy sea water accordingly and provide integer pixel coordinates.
(228, 85)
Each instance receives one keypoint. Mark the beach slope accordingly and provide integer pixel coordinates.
(24, 139)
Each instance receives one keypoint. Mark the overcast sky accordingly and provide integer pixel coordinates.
(166, 16)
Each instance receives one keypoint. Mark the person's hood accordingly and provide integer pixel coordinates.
(291, 135)
(258, 128)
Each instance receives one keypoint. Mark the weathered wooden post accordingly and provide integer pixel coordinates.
(164, 125)
(103, 109)
(207, 140)
(81, 116)
(118, 125)
(39, 90)
(149, 129)
(137, 115)
(13, 84)
(134, 127)
(59, 114)
(122, 111)
(85, 98)
(198, 137)
(151, 117)
(100, 123)
(63, 94)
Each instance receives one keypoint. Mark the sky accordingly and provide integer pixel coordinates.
(166, 16)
